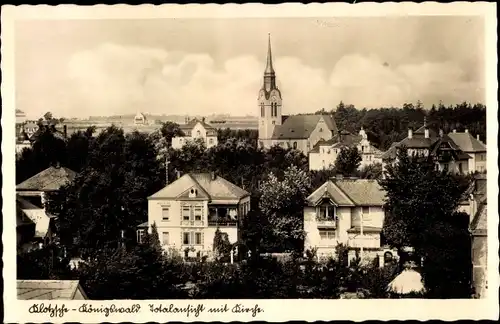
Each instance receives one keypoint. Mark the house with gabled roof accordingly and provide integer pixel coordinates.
(344, 211)
(188, 211)
(325, 153)
(196, 130)
(51, 179)
(473, 146)
(50, 290)
(299, 132)
(427, 144)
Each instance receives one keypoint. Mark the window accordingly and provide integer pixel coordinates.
(211, 141)
(274, 122)
(446, 167)
(198, 211)
(362, 148)
(140, 236)
(165, 213)
(197, 238)
(366, 210)
(320, 130)
(294, 145)
(262, 111)
(460, 168)
(327, 235)
(326, 212)
(185, 238)
(165, 238)
(186, 213)
(198, 133)
(287, 144)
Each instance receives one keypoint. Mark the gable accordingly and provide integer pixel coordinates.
(331, 191)
(195, 192)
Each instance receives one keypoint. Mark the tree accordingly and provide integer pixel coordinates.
(371, 171)
(41, 264)
(421, 213)
(222, 246)
(170, 130)
(282, 202)
(109, 195)
(348, 161)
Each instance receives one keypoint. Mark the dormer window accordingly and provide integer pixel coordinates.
(192, 193)
(325, 211)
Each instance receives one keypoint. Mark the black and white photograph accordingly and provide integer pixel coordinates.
(205, 158)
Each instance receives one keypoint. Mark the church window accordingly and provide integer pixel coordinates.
(295, 145)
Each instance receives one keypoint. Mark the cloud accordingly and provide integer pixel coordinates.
(113, 79)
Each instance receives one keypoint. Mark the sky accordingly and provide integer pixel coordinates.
(81, 68)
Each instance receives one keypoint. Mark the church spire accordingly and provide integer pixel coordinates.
(269, 65)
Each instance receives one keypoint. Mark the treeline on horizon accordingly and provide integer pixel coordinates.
(385, 126)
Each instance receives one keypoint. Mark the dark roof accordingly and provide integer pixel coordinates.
(189, 125)
(458, 154)
(301, 126)
(52, 178)
(467, 142)
(49, 290)
(211, 188)
(350, 192)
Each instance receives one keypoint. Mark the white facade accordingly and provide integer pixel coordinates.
(326, 154)
(348, 212)
(188, 212)
(326, 235)
(197, 132)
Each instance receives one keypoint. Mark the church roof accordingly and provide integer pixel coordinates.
(301, 126)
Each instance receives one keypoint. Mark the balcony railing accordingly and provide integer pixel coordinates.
(223, 223)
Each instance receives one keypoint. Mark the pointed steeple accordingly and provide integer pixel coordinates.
(269, 65)
(269, 75)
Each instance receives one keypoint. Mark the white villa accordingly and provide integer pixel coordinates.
(193, 130)
(188, 211)
(474, 147)
(345, 211)
(325, 153)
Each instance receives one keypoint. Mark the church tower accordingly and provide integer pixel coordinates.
(269, 101)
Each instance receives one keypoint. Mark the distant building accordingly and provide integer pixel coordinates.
(473, 147)
(325, 153)
(348, 212)
(299, 132)
(425, 143)
(50, 290)
(140, 119)
(196, 130)
(188, 211)
(30, 128)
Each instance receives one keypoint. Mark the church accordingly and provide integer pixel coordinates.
(301, 132)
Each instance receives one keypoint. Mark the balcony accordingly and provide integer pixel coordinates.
(223, 216)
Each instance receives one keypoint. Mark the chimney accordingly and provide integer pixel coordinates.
(410, 133)
(339, 177)
(426, 132)
(466, 130)
(440, 133)
(65, 131)
(203, 119)
(454, 131)
(478, 138)
(178, 173)
(212, 176)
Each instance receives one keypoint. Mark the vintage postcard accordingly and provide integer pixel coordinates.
(249, 162)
